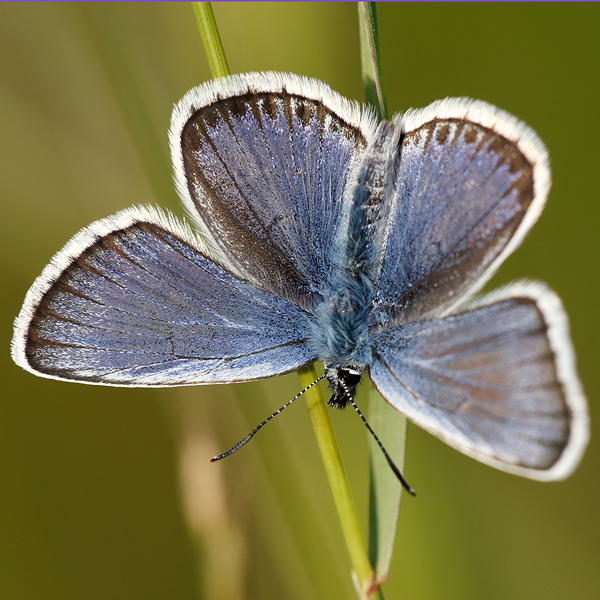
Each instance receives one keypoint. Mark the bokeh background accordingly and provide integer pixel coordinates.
(108, 493)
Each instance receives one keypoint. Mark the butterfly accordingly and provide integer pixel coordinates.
(322, 234)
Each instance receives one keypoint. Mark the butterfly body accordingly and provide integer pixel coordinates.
(322, 235)
(347, 324)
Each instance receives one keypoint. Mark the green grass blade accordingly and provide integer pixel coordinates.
(211, 39)
(389, 424)
(384, 490)
(363, 573)
(338, 482)
(369, 54)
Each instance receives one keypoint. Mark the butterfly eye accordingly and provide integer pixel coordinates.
(349, 377)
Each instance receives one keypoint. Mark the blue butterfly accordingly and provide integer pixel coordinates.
(323, 235)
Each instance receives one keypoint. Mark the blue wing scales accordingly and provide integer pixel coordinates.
(140, 305)
(497, 382)
(471, 182)
(263, 163)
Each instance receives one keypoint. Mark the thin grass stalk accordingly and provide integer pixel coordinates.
(211, 39)
(390, 425)
(363, 574)
(338, 482)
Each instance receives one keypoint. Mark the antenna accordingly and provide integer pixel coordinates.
(394, 468)
(253, 433)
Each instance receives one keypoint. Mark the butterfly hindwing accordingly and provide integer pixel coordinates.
(496, 381)
(132, 300)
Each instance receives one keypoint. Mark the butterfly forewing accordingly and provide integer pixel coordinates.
(140, 305)
(265, 168)
(497, 381)
(471, 182)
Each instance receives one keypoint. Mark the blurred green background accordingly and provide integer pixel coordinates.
(92, 504)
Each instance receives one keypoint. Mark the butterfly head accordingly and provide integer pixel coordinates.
(342, 382)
